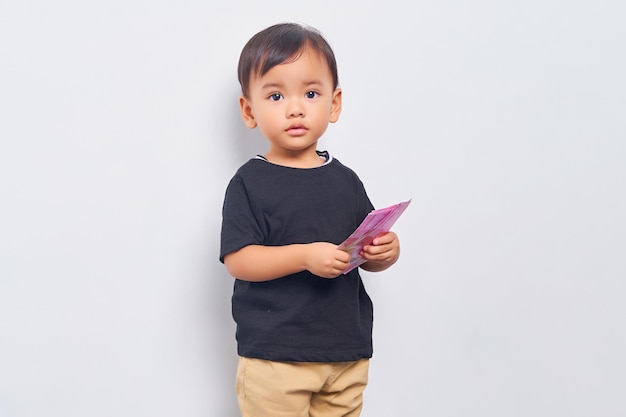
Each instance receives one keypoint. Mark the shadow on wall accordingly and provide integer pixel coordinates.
(245, 142)
(239, 144)
(222, 364)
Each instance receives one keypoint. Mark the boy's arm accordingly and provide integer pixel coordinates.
(264, 263)
(382, 253)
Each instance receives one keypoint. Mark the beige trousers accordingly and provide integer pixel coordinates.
(300, 389)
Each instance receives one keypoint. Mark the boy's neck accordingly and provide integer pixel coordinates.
(308, 160)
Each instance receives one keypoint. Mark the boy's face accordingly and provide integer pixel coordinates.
(292, 105)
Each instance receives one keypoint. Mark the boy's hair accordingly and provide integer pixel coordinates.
(277, 44)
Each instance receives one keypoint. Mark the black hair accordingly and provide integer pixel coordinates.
(277, 44)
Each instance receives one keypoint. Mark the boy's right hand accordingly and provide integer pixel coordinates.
(325, 260)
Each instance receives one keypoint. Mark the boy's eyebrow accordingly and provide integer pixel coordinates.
(312, 82)
(271, 85)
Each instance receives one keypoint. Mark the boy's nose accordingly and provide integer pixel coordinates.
(295, 109)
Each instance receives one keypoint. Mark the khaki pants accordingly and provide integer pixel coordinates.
(300, 389)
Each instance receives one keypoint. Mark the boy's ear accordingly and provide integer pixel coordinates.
(335, 108)
(246, 112)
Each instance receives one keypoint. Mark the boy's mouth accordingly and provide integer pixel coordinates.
(296, 130)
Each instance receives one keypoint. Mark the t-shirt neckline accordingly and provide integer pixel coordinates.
(322, 154)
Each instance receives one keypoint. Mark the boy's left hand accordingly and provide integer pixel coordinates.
(384, 251)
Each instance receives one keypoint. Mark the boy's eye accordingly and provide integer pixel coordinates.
(311, 94)
(275, 97)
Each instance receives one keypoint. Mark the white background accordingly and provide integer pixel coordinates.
(503, 121)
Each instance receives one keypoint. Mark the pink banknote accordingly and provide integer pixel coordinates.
(376, 223)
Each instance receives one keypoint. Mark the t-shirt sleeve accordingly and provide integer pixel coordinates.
(240, 226)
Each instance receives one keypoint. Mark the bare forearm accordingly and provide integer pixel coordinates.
(265, 263)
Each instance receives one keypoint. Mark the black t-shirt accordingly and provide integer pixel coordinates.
(299, 317)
